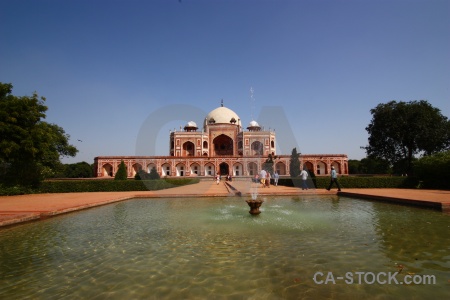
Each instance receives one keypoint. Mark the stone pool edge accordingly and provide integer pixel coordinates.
(36, 207)
(392, 196)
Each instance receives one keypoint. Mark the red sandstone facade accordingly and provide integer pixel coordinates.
(223, 147)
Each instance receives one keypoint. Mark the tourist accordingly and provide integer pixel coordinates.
(263, 175)
(256, 179)
(268, 179)
(334, 179)
(304, 175)
(217, 178)
(275, 178)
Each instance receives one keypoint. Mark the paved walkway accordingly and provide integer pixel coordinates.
(16, 209)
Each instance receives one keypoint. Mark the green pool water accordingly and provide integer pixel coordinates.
(212, 248)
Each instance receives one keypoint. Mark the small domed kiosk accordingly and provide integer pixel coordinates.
(190, 126)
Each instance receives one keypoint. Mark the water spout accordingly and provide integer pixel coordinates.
(254, 192)
(254, 203)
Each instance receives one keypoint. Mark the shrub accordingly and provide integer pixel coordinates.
(121, 172)
(153, 174)
(356, 182)
(294, 163)
(105, 185)
(142, 175)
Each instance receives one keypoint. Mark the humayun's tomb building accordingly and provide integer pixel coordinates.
(222, 146)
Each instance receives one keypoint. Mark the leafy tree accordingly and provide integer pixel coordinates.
(57, 171)
(399, 131)
(434, 171)
(78, 170)
(29, 147)
(374, 166)
(294, 163)
(369, 166)
(354, 166)
(121, 172)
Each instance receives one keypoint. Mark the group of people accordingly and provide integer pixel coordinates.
(218, 178)
(304, 176)
(264, 178)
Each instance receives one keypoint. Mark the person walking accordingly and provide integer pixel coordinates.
(217, 178)
(334, 179)
(275, 178)
(304, 175)
(262, 175)
(268, 179)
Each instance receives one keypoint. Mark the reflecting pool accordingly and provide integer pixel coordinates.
(212, 248)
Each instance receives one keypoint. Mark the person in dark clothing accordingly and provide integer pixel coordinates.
(334, 179)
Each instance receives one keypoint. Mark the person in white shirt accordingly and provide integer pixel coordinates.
(275, 178)
(217, 178)
(262, 175)
(304, 175)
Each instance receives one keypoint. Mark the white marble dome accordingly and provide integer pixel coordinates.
(191, 124)
(253, 124)
(222, 115)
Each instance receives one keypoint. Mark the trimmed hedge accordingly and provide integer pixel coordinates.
(103, 185)
(73, 186)
(356, 182)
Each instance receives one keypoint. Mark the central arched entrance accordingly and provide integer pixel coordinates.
(224, 169)
(223, 145)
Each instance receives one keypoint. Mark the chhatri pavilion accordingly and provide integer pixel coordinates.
(222, 146)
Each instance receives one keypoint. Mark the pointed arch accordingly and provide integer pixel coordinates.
(107, 170)
(166, 169)
(280, 167)
(223, 145)
(210, 170)
(252, 168)
(188, 149)
(257, 148)
(195, 169)
(238, 169)
(337, 166)
(135, 168)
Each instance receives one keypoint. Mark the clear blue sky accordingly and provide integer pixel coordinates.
(106, 66)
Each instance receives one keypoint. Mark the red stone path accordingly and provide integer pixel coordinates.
(17, 209)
